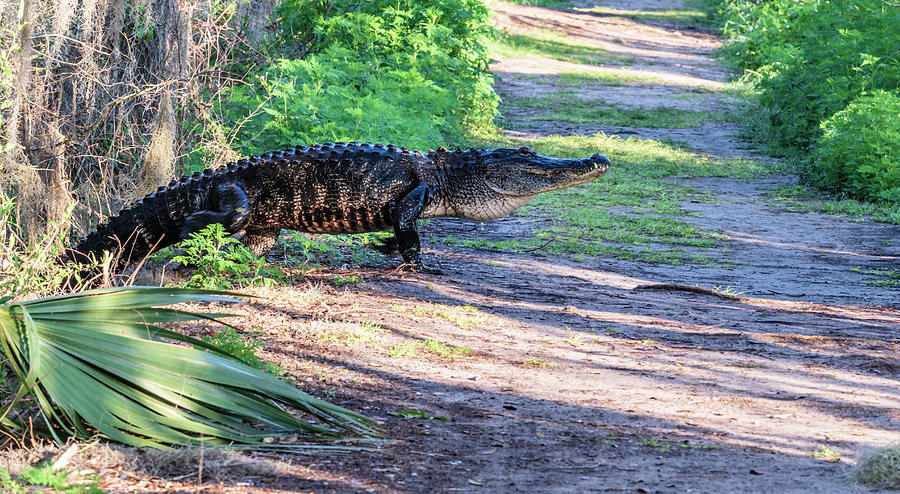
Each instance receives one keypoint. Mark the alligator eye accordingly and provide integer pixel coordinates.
(526, 150)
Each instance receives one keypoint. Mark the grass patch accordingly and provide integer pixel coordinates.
(579, 110)
(581, 248)
(44, 475)
(882, 276)
(645, 158)
(417, 414)
(444, 350)
(533, 362)
(411, 348)
(630, 213)
(407, 348)
(548, 44)
(348, 333)
(464, 316)
(640, 230)
(802, 199)
(678, 16)
(826, 454)
(606, 77)
(880, 468)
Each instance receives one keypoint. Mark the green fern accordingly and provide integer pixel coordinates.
(221, 261)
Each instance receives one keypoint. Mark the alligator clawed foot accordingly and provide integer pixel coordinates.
(418, 268)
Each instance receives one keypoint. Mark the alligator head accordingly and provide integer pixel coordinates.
(499, 181)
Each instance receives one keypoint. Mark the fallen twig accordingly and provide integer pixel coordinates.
(686, 288)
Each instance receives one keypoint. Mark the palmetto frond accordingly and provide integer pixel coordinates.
(96, 365)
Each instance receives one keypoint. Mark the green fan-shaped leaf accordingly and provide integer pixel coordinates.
(96, 364)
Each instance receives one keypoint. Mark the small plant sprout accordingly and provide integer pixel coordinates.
(408, 348)
(727, 290)
(534, 362)
(220, 261)
(826, 454)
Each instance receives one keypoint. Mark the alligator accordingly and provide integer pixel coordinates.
(336, 188)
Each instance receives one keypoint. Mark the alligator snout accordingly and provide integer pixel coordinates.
(600, 160)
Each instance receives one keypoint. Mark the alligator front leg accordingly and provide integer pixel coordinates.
(232, 211)
(406, 231)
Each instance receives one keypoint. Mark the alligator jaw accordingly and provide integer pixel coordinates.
(522, 172)
(579, 172)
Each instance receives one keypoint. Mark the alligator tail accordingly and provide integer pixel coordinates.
(150, 224)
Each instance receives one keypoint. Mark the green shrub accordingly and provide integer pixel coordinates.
(760, 33)
(810, 59)
(859, 149)
(401, 71)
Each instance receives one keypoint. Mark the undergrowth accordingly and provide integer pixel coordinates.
(410, 73)
(45, 476)
(220, 261)
(828, 80)
(32, 265)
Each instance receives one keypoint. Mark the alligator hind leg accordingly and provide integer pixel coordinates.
(261, 240)
(232, 210)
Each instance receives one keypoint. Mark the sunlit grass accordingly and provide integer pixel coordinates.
(347, 333)
(802, 199)
(631, 213)
(570, 108)
(411, 348)
(645, 158)
(880, 276)
(550, 45)
(680, 16)
(464, 316)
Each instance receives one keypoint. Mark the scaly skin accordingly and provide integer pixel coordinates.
(337, 188)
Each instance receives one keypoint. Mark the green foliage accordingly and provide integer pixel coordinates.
(407, 72)
(313, 251)
(231, 343)
(859, 149)
(221, 261)
(29, 266)
(9, 485)
(96, 365)
(810, 60)
(45, 475)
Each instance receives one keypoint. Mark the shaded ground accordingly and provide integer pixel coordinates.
(568, 376)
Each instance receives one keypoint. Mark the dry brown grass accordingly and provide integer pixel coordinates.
(105, 98)
(102, 100)
(212, 464)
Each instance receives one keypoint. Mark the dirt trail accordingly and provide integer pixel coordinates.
(578, 380)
